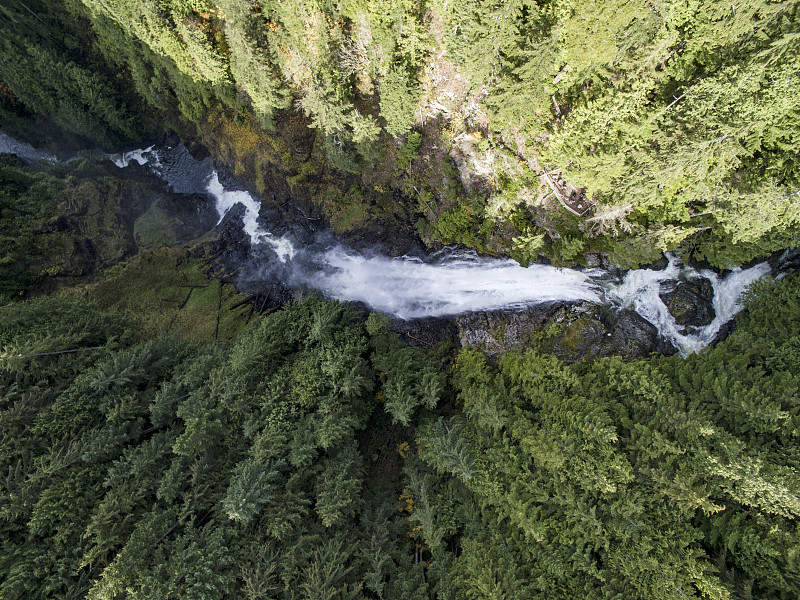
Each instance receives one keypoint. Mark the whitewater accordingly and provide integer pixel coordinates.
(447, 283)
(455, 282)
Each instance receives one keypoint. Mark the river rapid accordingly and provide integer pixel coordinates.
(446, 283)
(454, 281)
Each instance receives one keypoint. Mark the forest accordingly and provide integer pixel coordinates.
(673, 123)
(314, 454)
(164, 436)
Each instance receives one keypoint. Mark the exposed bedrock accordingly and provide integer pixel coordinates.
(571, 331)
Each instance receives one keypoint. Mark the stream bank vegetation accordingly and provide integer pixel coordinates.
(663, 124)
(162, 439)
(311, 453)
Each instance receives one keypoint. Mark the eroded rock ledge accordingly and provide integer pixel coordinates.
(572, 331)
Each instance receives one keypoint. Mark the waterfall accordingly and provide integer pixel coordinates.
(226, 200)
(410, 288)
(639, 290)
(452, 282)
(407, 287)
(447, 283)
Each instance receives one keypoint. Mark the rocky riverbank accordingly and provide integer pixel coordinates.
(572, 331)
(147, 215)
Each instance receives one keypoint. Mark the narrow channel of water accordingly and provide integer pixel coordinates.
(455, 282)
(407, 287)
(448, 283)
(9, 145)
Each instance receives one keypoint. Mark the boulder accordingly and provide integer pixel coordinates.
(690, 302)
(426, 333)
(174, 219)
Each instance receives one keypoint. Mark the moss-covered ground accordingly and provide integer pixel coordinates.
(167, 291)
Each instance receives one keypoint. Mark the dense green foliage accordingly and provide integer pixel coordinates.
(160, 470)
(314, 456)
(678, 120)
(60, 223)
(47, 63)
(65, 223)
(161, 441)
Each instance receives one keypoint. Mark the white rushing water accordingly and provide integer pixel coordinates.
(406, 287)
(447, 284)
(141, 156)
(410, 288)
(226, 200)
(639, 291)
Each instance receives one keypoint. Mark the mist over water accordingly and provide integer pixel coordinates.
(410, 288)
(446, 283)
(25, 151)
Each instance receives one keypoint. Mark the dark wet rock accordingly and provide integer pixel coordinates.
(785, 260)
(90, 222)
(374, 239)
(497, 332)
(197, 151)
(724, 331)
(185, 174)
(270, 295)
(426, 333)
(232, 223)
(301, 145)
(690, 260)
(614, 270)
(571, 331)
(593, 259)
(83, 259)
(658, 265)
(228, 250)
(48, 136)
(290, 173)
(169, 140)
(59, 224)
(632, 335)
(690, 302)
(255, 270)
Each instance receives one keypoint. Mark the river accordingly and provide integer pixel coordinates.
(446, 283)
